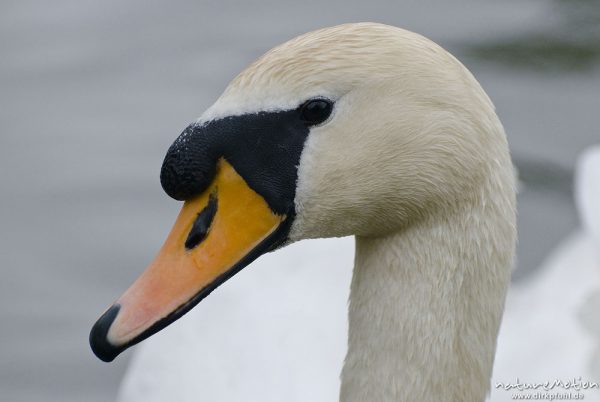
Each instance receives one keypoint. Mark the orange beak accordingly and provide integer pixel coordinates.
(215, 235)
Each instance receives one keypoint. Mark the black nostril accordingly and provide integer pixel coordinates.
(188, 167)
(202, 223)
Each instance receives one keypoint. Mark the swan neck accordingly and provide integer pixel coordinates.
(425, 308)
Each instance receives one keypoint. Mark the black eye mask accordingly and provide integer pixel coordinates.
(264, 148)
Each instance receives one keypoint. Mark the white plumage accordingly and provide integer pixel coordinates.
(551, 327)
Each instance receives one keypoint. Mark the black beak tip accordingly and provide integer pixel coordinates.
(99, 343)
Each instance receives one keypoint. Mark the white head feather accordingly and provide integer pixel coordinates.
(411, 127)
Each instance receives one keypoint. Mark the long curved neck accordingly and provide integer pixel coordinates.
(425, 308)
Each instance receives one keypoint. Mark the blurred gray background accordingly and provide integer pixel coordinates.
(92, 93)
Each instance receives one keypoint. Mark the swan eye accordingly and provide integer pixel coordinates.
(316, 111)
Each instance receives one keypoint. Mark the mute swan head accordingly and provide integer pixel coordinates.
(410, 133)
(359, 129)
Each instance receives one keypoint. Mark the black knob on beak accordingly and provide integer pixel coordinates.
(189, 166)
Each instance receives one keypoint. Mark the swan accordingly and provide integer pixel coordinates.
(550, 328)
(359, 129)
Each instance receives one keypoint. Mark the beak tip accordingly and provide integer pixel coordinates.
(99, 342)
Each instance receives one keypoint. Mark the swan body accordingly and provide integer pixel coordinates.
(587, 193)
(412, 161)
(551, 328)
(291, 350)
